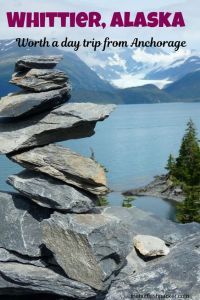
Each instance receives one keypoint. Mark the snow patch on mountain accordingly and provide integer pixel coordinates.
(130, 67)
(129, 80)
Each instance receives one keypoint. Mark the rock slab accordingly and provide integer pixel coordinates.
(24, 104)
(20, 224)
(26, 63)
(23, 279)
(70, 121)
(37, 80)
(52, 193)
(11, 256)
(90, 248)
(150, 245)
(63, 164)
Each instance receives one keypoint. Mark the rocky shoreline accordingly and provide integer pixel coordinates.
(161, 187)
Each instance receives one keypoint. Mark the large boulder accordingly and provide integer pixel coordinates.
(24, 104)
(26, 63)
(52, 193)
(20, 225)
(90, 248)
(24, 279)
(37, 80)
(175, 275)
(65, 165)
(70, 121)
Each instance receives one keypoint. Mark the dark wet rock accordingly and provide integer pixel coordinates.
(141, 222)
(37, 62)
(161, 187)
(70, 121)
(65, 165)
(90, 248)
(20, 224)
(37, 80)
(52, 193)
(22, 279)
(24, 104)
(176, 274)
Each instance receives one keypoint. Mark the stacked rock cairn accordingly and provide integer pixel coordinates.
(53, 238)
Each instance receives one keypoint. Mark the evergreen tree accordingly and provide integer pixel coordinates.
(170, 165)
(189, 210)
(187, 166)
(185, 171)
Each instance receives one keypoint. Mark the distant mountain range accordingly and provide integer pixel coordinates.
(92, 80)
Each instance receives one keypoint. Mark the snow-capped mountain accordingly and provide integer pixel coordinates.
(135, 67)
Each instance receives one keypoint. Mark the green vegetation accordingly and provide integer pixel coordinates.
(185, 171)
(189, 210)
(127, 202)
(103, 201)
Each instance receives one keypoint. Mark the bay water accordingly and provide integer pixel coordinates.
(133, 144)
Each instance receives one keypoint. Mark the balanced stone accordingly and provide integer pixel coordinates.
(37, 62)
(37, 80)
(52, 193)
(65, 165)
(23, 279)
(20, 224)
(150, 245)
(90, 248)
(23, 104)
(70, 121)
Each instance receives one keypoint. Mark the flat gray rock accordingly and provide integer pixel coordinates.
(22, 279)
(65, 165)
(37, 80)
(70, 121)
(175, 274)
(24, 104)
(20, 224)
(142, 222)
(37, 62)
(52, 193)
(90, 248)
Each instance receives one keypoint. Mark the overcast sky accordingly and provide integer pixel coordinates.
(190, 9)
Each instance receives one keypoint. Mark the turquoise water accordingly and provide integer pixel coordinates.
(133, 144)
